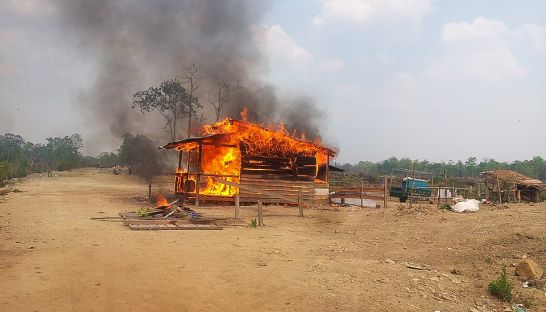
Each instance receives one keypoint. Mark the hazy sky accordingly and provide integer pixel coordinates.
(437, 80)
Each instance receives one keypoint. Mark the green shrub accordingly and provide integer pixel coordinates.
(501, 287)
(445, 206)
(253, 223)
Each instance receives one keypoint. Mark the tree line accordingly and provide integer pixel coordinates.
(19, 157)
(534, 168)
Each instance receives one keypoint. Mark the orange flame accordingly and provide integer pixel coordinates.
(161, 201)
(224, 157)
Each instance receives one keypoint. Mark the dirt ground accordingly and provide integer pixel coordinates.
(53, 257)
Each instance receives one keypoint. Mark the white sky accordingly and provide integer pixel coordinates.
(436, 80)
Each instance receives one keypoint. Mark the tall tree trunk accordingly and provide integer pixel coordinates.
(190, 110)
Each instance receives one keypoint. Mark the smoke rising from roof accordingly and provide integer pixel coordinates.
(140, 43)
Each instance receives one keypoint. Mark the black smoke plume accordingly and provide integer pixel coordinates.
(138, 43)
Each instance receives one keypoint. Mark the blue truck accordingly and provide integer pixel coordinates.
(420, 189)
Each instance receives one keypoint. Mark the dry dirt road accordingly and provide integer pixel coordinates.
(54, 258)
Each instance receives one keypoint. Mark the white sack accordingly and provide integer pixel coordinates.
(470, 205)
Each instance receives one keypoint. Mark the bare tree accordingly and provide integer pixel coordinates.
(170, 99)
(200, 121)
(191, 78)
(224, 88)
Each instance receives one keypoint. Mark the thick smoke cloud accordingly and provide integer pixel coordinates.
(139, 43)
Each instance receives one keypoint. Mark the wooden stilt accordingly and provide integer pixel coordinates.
(237, 212)
(198, 180)
(361, 190)
(385, 192)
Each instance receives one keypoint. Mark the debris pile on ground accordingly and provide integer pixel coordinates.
(170, 216)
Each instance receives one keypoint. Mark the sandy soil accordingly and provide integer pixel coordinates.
(54, 258)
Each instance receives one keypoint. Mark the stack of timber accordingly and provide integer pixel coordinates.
(159, 222)
(283, 188)
(300, 168)
(172, 226)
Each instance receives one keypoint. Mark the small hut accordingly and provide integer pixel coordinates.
(239, 158)
(511, 186)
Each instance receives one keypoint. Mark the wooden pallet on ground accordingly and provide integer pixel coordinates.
(169, 226)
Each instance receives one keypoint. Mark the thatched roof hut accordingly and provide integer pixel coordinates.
(510, 185)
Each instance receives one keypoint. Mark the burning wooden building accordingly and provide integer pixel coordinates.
(237, 157)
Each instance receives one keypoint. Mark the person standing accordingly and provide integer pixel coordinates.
(48, 168)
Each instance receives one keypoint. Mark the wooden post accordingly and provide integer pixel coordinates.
(327, 178)
(237, 213)
(178, 172)
(198, 180)
(445, 184)
(518, 195)
(361, 190)
(498, 187)
(300, 202)
(431, 187)
(479, 191)
(260, 214)
(508, 192)
(385, 191)
(188, 162)
(412, 184)
(179, 168)
(150, 191)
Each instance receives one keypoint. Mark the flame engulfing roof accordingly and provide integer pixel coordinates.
(273, 141)
(190, 144)
(229, 145)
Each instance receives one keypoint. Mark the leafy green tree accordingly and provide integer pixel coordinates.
(63, 153)
(170, 100)
(19, 157)
(106, 159)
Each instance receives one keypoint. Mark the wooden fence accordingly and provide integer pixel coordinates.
(377, 192)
